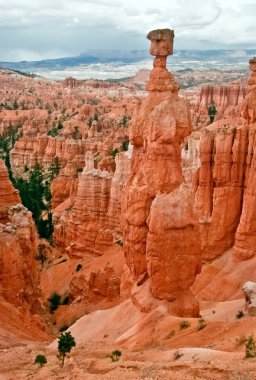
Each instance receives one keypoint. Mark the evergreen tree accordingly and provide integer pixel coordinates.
(212, 112)
(65, 344)
(41, 360)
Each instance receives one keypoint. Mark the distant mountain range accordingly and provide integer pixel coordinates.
(113, 59)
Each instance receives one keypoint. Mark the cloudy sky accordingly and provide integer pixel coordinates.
(38, 29)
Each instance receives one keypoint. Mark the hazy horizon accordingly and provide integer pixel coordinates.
(40, 29)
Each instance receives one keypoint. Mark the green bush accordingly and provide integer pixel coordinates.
(184, 324)
(115, 356)
(125, 145)
(41, 360)
(212, 112)
(114, 152)
(239, 314)
(79, 267)
(250, 347)
(55, 301)
(65, 344)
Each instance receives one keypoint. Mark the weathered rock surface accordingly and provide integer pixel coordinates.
(220, 188)
(249, 289)
(19, 269)
(245, 244)
(8, 195)
(225, 182)
(95, 220)
(226, 98)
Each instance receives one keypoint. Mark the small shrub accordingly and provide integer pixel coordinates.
(79, 267)
(114, 152)
(177, 355)
(125, 145)
(184, 324)
(115, 356)
(53, 132)
(41, 360)
(65, 344)
(239, 314)
(55, 301)
(201, 324)
(250, 347)
(79, 170)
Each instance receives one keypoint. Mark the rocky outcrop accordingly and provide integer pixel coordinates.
(70, 82)
(225, 194)
(220, 184)
(64, 186)
(245, 244)
(153, 237)
(249, 289)
(19, 272)
(8, 195)
(227, 99)
(91, 221)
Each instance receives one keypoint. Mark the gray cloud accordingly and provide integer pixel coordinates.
(35, 29)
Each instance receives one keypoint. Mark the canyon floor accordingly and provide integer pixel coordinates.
(154, 345)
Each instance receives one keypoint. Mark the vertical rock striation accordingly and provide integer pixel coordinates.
(8, 195)
(245, 243)
(19, 274)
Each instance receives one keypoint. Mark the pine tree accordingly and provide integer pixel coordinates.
(65, 344)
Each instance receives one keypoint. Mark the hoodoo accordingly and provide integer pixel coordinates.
(161, 232)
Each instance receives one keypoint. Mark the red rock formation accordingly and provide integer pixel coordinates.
(227, 99)
(19, 269)
(245, 242)
(70, 82)
(225, 194)
(8, 195)
(19, 274)
(64, 186)
(161, 122)
(220, 185)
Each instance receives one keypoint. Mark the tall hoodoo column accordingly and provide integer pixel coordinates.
(160, 239)
(245, 241)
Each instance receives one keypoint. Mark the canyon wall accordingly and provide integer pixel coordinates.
(226, 98)
(224, 182)
(19, 270)
(8, 195)
(245, 247)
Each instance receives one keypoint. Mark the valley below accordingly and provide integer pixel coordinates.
(127, 218)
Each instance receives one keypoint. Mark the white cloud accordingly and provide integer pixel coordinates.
(72, 26)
